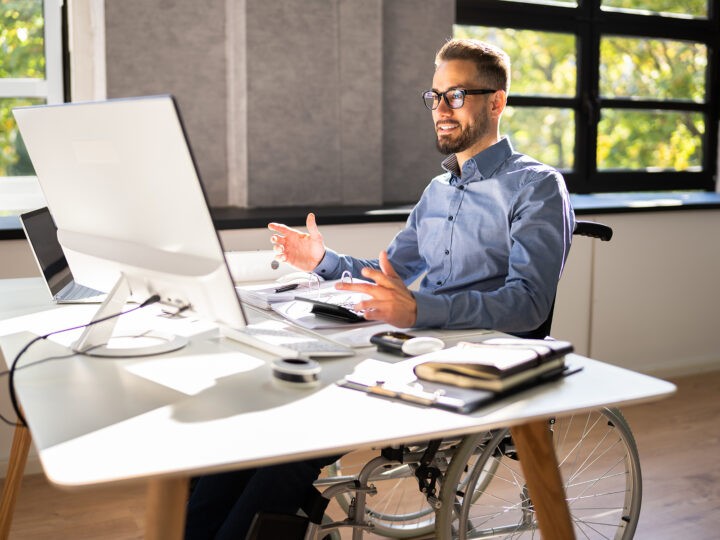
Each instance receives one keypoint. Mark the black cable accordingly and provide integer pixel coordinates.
(11, 373)
(12, 423)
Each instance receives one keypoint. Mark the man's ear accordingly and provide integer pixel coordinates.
(498, 103)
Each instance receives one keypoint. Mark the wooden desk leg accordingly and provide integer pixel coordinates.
(534, 445)
(13, 480)
(165, 512)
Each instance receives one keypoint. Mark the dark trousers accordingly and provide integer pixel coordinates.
(222, 506)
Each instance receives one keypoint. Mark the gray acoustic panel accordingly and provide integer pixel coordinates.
(174, 47)
(290, 103)
(413, 33)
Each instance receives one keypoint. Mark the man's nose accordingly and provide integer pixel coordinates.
(443, 108)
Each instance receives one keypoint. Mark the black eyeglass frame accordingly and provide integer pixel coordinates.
(443, 95)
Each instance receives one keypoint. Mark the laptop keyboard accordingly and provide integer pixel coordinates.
(279, 339)
(75, 291)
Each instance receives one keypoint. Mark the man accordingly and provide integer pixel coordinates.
(491, 235)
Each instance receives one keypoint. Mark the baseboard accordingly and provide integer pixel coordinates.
(32, 466)
(690, 366)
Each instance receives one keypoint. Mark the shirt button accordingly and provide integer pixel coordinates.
(438, 283)
(447, 252)
(450, 218)
(461, 187)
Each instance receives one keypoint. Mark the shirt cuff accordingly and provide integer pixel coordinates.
(328, 267)
(432, 310)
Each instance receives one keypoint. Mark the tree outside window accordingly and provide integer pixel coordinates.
(22, 59)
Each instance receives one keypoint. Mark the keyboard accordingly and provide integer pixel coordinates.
(74, 292)
(280, 339)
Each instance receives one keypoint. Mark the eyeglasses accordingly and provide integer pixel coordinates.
(454, 98)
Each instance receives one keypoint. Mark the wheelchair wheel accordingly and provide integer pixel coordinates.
(599, 464)
(399, 509)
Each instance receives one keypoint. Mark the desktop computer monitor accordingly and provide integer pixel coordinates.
(131, 212)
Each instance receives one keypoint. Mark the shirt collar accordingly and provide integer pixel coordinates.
(481, 165)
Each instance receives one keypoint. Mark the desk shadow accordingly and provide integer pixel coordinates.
(251, 391)
(76, 395)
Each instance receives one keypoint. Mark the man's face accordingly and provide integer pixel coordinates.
(460, 129)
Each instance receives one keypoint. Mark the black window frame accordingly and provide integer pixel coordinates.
(588, 22)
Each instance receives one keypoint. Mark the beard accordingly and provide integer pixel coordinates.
(468, 136)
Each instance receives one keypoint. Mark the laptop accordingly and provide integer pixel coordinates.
(41, 233)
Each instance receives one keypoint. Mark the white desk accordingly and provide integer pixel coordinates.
(213, 406)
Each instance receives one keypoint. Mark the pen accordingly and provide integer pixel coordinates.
(286, 288)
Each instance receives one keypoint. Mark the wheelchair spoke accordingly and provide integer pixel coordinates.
(598, 463)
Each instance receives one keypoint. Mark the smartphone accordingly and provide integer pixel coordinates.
(390, 342)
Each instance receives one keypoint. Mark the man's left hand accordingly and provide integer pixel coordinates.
(391, 301)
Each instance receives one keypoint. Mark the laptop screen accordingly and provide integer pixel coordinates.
(41, 232)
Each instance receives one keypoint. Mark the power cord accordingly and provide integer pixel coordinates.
(13, 367)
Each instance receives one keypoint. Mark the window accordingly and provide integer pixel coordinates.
(30, 73)
(620, 95)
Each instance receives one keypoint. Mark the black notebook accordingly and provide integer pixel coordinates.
(497, 364)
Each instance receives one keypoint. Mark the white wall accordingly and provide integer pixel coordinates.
(656, 299)
(17, 260)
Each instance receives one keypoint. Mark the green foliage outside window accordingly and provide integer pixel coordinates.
(656, 69)
(544, 133)
(543, 63)
(14, 159)
(22, 56)
(21, 39)
(650, 140)
(695, 8)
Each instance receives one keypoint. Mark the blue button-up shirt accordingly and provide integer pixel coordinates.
(491, 240)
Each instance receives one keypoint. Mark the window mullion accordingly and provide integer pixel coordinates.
(33, 88)
(712, 91)
(588, 54)
(52, 13)
(667, 105)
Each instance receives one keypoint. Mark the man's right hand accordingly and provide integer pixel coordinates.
(302, 250)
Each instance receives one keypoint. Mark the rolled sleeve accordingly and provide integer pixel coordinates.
(333, 265)
(329, 267)
(432, 311)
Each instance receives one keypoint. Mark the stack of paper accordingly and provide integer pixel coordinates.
(264, 295)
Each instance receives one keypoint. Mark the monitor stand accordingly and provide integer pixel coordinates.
(97, 338)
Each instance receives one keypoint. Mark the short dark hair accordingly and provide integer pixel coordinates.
(493, 64)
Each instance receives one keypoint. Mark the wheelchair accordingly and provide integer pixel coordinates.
(477, 488)
(474, 487)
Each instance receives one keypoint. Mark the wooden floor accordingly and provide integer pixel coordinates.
(678, 439)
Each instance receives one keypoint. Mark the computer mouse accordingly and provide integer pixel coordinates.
(422, 345)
